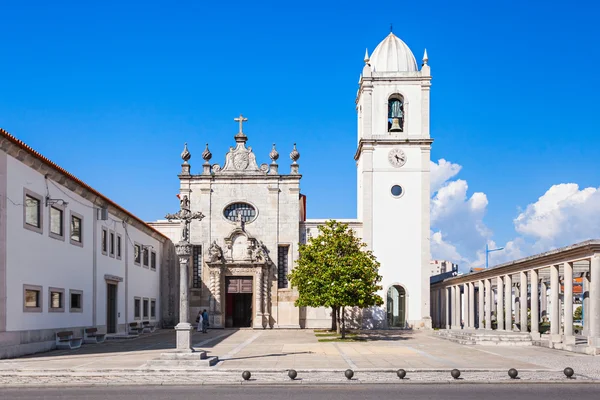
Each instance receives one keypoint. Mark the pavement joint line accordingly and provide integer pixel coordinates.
(430, 356)
(240, 347)
(204, 342)
(345, 356)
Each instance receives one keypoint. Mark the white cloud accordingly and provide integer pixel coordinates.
(563, 215)
(441, 172)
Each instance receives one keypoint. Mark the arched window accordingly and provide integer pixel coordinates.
(396, 113)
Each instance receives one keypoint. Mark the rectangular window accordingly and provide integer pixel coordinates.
(76, 300)
(76, 229)
(118, 246)
(197, 267)
(153, 261)
(56, 222)
(32, 211)
(137, 306)
(57, 300)
(146, 304)
(146, 257)
(282, 266)
(104, 241)
(137, 254)
(32, 298)
(152, 309)
(111, 244)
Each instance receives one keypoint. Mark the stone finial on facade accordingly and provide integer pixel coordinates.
(185, 156)
(295, 156)
(367, 59)
(425, 58)
(274, 155)
(206, 155)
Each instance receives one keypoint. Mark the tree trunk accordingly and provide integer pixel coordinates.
(343, 322)
(337, 317)
(333, 319)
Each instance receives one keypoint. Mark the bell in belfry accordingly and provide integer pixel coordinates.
(396, 114)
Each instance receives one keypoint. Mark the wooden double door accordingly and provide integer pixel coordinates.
(238, 301)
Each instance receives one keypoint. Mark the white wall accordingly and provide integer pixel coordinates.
(38, 259)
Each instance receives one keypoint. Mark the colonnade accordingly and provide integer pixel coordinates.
(526, 296)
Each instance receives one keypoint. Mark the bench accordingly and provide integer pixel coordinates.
(134, 329)
(146, 327)
(91, 335)
(65, 340)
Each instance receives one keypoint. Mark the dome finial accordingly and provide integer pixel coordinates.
(391, 28)
(425, 58)
(366, 56)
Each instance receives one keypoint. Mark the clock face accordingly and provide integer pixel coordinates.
(397, 158)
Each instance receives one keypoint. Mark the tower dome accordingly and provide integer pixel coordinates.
(393, 55)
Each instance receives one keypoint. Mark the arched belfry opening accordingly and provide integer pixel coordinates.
(396, 307)
(396, 113)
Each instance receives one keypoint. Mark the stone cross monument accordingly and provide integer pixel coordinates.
(184, 251)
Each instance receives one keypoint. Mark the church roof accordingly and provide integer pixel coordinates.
(393, 55)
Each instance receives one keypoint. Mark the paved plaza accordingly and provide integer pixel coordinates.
(268, 354)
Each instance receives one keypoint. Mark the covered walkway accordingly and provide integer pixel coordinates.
(533, 294)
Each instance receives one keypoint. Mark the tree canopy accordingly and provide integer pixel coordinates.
(334, 270)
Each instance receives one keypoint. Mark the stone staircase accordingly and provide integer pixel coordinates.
(485, 338)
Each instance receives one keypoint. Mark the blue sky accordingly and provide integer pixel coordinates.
(111, 91)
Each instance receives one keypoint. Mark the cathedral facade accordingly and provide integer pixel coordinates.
(254, 215)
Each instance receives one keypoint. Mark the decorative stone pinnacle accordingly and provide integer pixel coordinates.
(274, 155)
(206, 154)
(425, 58)
(294, 155)
(367, 56)
(185, 154)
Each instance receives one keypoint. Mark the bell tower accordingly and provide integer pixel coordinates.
(392, 162)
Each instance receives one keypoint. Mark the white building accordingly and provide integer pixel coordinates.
(442, 266)
(70, 258)
(392, 161)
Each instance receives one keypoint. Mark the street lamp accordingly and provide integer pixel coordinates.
(488, 251)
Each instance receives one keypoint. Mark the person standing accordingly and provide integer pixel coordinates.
(199, 320)
(204, 321)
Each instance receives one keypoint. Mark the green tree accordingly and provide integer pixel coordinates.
(577, 313)
(334, 270)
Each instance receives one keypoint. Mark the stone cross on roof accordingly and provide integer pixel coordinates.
(241, 120)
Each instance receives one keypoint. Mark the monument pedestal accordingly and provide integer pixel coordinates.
(184, 337)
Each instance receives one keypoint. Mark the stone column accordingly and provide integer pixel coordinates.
(508, 302)
(488, 304)
(183, 328)
(568, 301)
(453, 307)
(266, 292)
(500, 306)
(517, 308)
(535, 311)
(544, 300)
(594, 338)
(554, 307)
(258, 287)
(447, 308)
(472, 305)
(458, 307)
(585, 306)
(523, 300)
(481, 305)
(218, 317)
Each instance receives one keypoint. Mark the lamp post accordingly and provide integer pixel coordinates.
(488, 251)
